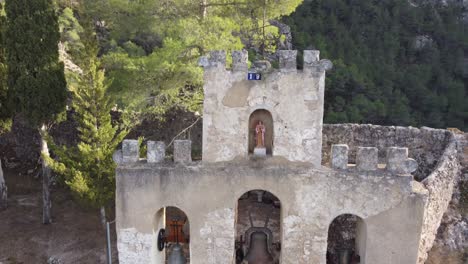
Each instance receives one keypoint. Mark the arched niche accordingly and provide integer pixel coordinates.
(171, 231)
(264, 116)
(346, 241)
(258, 228)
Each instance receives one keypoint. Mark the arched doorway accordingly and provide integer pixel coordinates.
(346, 241)
(172, 236)
(258, 228)
(261, 118)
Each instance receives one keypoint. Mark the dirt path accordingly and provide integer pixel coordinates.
(75, 236)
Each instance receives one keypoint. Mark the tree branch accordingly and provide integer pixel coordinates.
(183, 131)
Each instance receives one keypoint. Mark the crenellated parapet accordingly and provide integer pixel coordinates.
(155, 152)
(287, 61)
(397, 161)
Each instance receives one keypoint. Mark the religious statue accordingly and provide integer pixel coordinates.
(260, 135)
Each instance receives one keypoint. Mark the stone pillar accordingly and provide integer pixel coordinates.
(130, 151)
(339, 156)
(182, 151)
(287, 60)
(218, 59)
(311, 58)
(367, 158)
(239, 60)
(398, 161)
(156, 151)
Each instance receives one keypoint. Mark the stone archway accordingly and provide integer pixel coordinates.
(267, 119)
(346, 241)
(258, 228)
(171, 230)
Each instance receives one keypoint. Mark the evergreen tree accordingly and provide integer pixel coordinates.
(5, 119)
(396, 64)
(5, 114)
(88, 168)
(36, 81)
(151, 48)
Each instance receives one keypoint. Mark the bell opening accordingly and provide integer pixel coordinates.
(172, 228)
(258, 228)
(346, 240)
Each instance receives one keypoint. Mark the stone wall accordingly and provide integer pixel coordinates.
(451, 244)
(426, 145)
(434, 149)
(293, 97)
(440, 185)
(310, 199)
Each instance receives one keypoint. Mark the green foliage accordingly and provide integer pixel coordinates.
(70, 30)
(88, 169)
(381, 75)
(151, 48)
(5, 118)
(36, 81)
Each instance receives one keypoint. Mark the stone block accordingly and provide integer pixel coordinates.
(261, 66)
(260, 152)
(117, 156)
(287, 60)
(398, 161)
(182, 151)
(367, 158)
(130, 150)
(311, 58)
(218, 59)
(239, 60)
(156, 151)
(339, 156)
(326, 65)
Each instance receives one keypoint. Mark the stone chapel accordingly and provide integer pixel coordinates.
(269, 188)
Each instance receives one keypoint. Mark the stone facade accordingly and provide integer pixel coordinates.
(369, 174)
(294, 99)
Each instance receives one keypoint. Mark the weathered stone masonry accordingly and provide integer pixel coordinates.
(360, 179)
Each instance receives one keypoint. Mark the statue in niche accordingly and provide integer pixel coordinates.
(260, 135)
(260, 149)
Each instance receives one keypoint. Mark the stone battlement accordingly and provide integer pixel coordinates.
(367, 159)
(287, 61)
(155, 152)
(397, 161)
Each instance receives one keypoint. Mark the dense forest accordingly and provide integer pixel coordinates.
(396, 63)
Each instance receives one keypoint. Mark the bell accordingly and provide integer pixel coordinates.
(344, 256)
(176, 256)
(258, 252)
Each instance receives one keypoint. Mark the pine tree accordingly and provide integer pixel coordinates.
(88, 168)
(152, 47)
(36, 81)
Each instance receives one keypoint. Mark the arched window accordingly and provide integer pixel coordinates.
(258, 228)
(261, 132)
(346, 240)
(172, 231)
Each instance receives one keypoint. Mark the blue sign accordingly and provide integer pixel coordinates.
(254, 76)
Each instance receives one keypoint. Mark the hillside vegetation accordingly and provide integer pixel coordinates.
(395, 63)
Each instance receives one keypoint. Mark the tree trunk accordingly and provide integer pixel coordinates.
(3, 190)
(46, 201)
